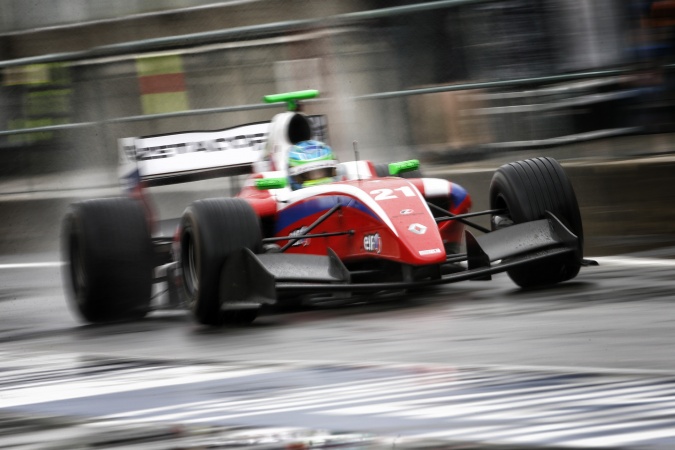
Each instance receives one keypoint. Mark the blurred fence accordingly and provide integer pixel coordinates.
(438, 80)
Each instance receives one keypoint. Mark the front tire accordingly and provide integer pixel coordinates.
(212, 230)
(526, 190)
(107, 250)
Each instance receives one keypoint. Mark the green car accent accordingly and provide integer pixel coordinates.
(403, 166)
(270, 183)
(291, 98)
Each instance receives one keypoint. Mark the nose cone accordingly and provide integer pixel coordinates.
(419, 238)
(417, 232)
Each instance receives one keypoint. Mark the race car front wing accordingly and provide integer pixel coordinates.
(260, 278)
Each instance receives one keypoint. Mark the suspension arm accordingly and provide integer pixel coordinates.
(462, 217)
(316, 223)
(308, 236)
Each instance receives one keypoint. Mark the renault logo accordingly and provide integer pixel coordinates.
(417, 228)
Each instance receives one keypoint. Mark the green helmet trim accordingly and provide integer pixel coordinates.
(317, 182)
(297, 162)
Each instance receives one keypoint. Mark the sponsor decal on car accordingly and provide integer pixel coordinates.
(299, 232)
(417, 228)
(405, 212)
(432, 251)
(143, 149)
(372, 243)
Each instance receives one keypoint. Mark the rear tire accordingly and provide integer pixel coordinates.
(107, 250)
(527, 189)
(212, 230)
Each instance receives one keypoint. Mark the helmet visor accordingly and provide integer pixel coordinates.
(316, 174)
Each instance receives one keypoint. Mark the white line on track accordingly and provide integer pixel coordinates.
(631, 261)
(37, 265)
(74, 387)
(608, 260)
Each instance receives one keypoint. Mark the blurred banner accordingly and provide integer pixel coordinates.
(162, 84)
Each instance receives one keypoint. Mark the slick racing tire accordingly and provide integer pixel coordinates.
(108, 255)
(212, 230)
(382, 170)
(526, 190)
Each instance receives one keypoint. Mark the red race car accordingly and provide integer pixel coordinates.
(306, 227)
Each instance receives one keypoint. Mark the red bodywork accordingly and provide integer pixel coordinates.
(388, 219)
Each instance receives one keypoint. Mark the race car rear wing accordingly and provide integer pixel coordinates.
(197, 155)
(189, 156)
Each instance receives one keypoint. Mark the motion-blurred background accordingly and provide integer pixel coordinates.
(458, 82)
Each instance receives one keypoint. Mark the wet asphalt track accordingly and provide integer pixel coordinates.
(587, 363)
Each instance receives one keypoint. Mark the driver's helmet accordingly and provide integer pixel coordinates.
(311, 163)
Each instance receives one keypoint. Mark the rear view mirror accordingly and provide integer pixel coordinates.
(403, 166)
(270, 183)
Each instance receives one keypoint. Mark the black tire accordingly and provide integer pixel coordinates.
(382, 170)
(527, 189)
(212, 230)
(107, 250)
(240, 316)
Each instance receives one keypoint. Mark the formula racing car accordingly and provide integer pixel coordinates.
(305, 227)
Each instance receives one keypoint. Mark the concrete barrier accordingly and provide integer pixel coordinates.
(626, 205)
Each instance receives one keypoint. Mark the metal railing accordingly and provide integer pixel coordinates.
(207, 37)
(277, 28)
(375, 96)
